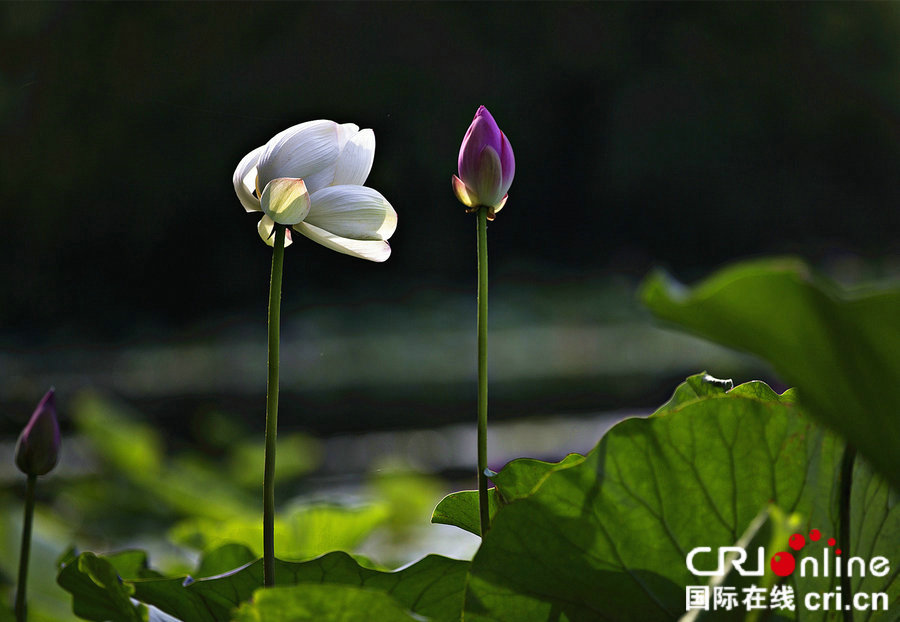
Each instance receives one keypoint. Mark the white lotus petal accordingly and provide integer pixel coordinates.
(373, 250)
(319, 180)
(356, 159)
(355, 212)
(354, 163)
(244, 180)
(346, 131)
(299, 151)
(285, 200)
(266, 230)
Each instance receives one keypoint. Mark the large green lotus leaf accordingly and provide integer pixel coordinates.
(516, 480)
(522, 476)
(607, 538)
(699, 387)
(840, 350)
(874, 531)
(334, 603)
(432, 587)
(526, 474)
(460, 509)
(769, 531)
(132, 564)
(224, 559)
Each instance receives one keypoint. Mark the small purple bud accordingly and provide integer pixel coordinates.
(37, 451)
(486, 165)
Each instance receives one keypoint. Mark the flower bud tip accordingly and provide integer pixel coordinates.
(37, 450)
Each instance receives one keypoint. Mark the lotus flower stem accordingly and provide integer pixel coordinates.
(272, 409)
(26, 548)
(482, 324)
(486, 167)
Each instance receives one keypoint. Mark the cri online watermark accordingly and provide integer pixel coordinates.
(783, 564)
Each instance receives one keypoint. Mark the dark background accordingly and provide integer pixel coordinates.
(645, 134)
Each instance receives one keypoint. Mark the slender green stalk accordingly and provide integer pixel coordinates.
(272, 409)
(26, 549)
(482, 330)
(847, 461)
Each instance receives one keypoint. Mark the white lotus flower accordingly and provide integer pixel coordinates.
(311, 177)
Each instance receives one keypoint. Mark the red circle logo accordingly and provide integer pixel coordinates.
(782, 563)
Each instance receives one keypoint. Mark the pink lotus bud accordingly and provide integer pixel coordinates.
(37, 451)
(486, 165)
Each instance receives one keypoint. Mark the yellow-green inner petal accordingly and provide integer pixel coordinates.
(285, 200)
(462, 193)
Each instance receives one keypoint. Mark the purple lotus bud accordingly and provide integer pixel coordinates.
(486, 165)
(37, 451)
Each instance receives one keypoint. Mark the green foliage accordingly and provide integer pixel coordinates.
(213, 510)
(298, 454)
(128, 564)
(840, 350)
(128, 446)
(432, 587)
(461, 508)
(302, 533)
(607, 537)
(340, 603)
(409, 495)
(601, 536)
(101, 594)
(223, 559)
(611, 533)
(771, 529)
(46, 601)
(875, 530)
(133, 451)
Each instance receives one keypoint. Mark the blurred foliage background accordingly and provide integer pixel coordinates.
(681, 135)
